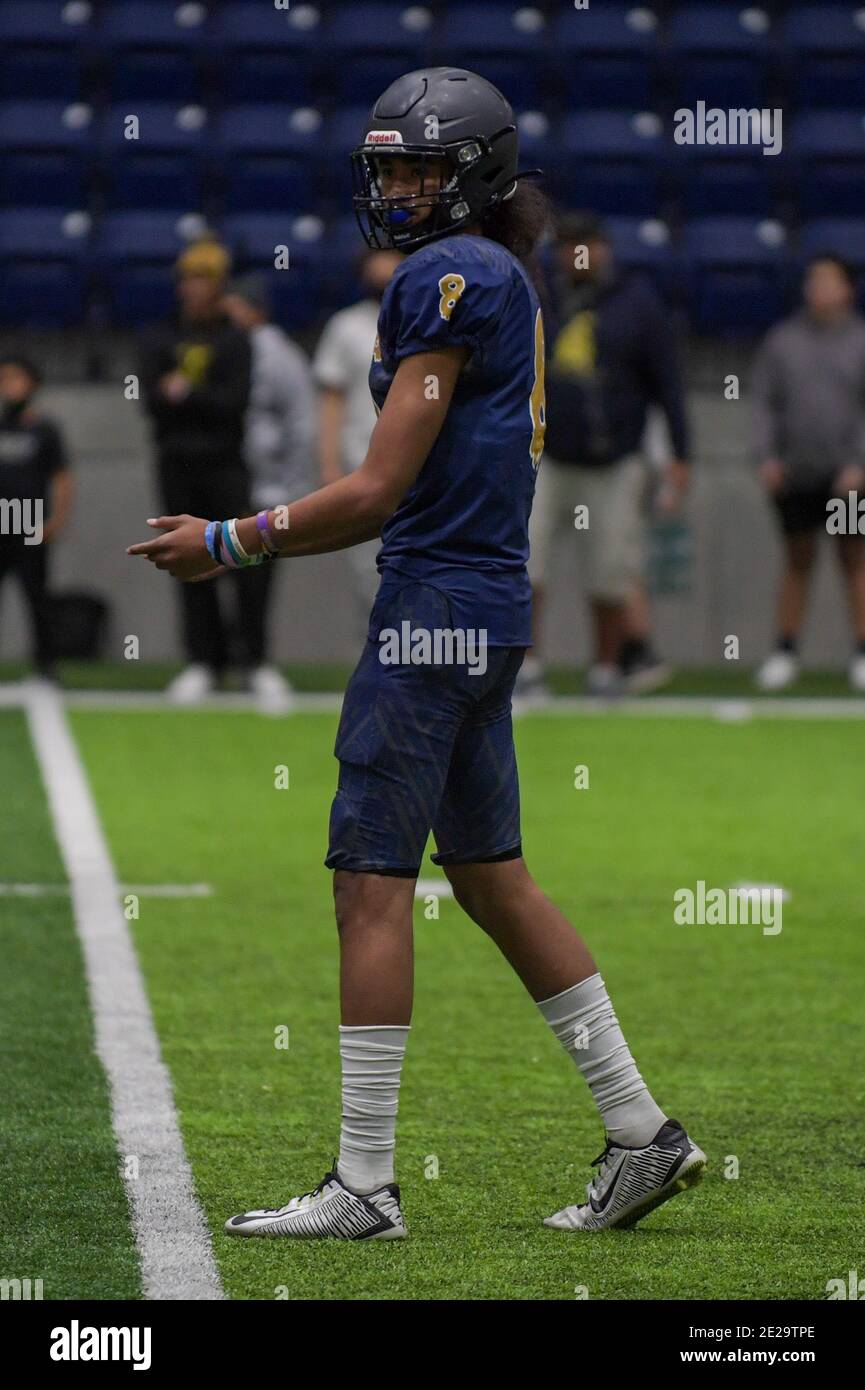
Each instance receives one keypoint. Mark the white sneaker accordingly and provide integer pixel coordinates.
(271, 690)
(605, 682)
(631, 1182)
(856, 673)
(778, 671)
(330, 1210)
(191, 686)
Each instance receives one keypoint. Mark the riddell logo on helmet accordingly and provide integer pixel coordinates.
(383, 137)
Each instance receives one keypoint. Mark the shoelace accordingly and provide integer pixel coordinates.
(605, 1159)
(306, 1198)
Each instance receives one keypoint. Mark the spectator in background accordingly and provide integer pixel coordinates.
(612, 353)
(195, 375)
(279, 443)
(36, 489)
(347, 415)
(808, 396)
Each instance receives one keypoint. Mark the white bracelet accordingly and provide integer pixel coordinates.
(232, 531)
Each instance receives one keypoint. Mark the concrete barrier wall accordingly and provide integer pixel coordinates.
(736, 555)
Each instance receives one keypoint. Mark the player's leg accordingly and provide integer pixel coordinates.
(610, 542)
(801, 514)
(394, 745)
(648, 1157)
(553, 497)
(851, 558)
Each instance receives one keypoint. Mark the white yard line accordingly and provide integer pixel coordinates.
(173, 1239)
(726, 710)
(143, 890)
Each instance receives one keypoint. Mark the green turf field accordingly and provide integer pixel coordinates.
(752, 1041)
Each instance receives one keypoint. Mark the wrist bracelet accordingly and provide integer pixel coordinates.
(236, 542)
(264, 531)
(230, 556)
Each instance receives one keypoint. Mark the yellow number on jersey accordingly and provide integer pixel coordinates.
(451, 287)
(538, 399)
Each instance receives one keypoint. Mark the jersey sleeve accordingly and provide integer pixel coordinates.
(445, 302)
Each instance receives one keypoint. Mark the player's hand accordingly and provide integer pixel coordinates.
(181, 550)
(850, 479)
(772, 475)
(674, 484)
(174, 387)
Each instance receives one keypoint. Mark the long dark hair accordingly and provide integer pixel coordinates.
(519, 223)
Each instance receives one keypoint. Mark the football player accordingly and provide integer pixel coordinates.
(425, 739)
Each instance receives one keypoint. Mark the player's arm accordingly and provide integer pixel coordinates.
(353, 509)
(330, 423)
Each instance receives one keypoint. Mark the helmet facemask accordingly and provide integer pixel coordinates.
(387, 220)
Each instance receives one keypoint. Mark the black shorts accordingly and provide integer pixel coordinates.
(803, 510)
(425, 748)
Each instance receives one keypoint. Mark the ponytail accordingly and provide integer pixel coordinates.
(519, 223)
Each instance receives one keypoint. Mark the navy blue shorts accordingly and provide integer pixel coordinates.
(425, 747)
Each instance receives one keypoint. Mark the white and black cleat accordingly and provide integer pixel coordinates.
(631, 1182)
(328, 1211)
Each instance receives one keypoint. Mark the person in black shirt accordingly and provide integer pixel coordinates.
(35, 495)
(612, 354)
(195, 378)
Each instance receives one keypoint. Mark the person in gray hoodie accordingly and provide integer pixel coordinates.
(808, 400)
(279, 435)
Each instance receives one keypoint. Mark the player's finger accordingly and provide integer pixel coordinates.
(165, 523)
(144, 547)
(208, 574)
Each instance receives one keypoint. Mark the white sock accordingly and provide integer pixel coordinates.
(371, 1064)
(583, 1020)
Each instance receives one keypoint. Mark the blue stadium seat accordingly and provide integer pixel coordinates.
(506, 44)
(153, 24)
(296, 291)
(607, 55)
(733, 180)
(538, 141)
(42, 294)
(826, 152)
(164, 167)
(60, 234)
(641, 243)
(738, 273)
(840, 236)
(42, 154)
(268, 55)
(42, 266)
(269, 156)
(826, 47)
(134, 254)
(342, 245)
(49, 22)
(720, 54)
(343, 131)
(43, 74)
(610, 161)
(154, 50)
(373, 44)
(155, 235)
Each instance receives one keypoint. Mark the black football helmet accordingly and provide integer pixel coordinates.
(461, 130)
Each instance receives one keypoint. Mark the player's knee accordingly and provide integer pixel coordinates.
(348, 897)
(487, 893)
(800, 555)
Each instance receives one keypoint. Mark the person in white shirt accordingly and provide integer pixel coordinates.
(346, 413)
(279, 440)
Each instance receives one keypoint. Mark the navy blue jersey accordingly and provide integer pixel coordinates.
(463, 525)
